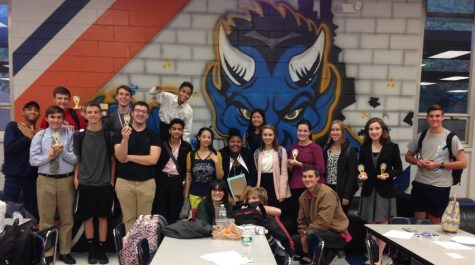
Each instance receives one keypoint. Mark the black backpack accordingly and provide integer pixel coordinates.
(18, 245)
(456, 173)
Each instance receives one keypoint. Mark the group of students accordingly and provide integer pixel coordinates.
(310, 187)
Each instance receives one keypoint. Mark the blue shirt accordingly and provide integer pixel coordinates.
(42, 142)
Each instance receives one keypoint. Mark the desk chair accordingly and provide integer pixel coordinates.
(418, 221)
(49, 237)
(373, 250)
(400, 220)
(119, 233)
(143, 252)
(315, 247)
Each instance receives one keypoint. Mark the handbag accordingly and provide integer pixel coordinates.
(185, 210)
(450, 221)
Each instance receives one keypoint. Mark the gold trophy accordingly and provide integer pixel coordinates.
(56, 139)
(361, 168)
(126, 120)
(76, 102)
(295, 153)
(383, 167)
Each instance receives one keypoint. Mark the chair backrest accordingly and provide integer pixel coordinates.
(143, 254)
(418, 221)
(399, 220)
(50, 240)
(315, 247)
(119, 233)
(373, 250)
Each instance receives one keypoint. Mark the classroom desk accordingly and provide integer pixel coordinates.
(188, 251)
(425, 249)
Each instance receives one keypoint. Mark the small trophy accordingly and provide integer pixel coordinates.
(383, 167)
(295, 153)
(76, 102)
(126, 120)
(56, 139)
(361, 168)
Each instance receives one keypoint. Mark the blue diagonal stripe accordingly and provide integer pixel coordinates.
(45, 32)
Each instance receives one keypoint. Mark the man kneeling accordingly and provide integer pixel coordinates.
(320, 214)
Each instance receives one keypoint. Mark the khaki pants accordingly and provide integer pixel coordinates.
(136, 198)
(56, 193)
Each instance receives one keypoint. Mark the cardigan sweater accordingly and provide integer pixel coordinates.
(281, 178)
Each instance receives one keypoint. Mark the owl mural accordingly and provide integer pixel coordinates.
(274, 58)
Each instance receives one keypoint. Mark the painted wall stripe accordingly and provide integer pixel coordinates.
(45, 32)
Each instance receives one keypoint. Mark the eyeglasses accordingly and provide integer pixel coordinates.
(140, 111)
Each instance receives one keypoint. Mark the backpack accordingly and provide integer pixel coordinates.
(146, 226)
(18, 245)
(456, 173)
(277, 236)
(247, 213)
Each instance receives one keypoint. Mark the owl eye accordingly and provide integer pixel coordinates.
(293, 114)
(245, 113)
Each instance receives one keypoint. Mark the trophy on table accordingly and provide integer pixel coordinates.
(383, 167)
(56, 139)
(126, 120)
(295, 153)
(76, 102)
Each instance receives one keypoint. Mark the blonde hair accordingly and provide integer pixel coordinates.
(257, 191)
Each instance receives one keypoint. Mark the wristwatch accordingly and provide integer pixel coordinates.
(442, 166)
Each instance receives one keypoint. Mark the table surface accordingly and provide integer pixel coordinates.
(188, 251)
(425, 248)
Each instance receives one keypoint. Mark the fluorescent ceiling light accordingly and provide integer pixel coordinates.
(457, 91)
(427, 83)
(422, 65)
(3, 25)
(5, 78)
(454, 78)
(449, 54)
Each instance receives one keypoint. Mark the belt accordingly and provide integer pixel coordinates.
(59, 176)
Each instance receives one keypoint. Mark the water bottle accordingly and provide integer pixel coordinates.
(246, 241)
(222, 215)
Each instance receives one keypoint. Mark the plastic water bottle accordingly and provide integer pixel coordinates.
(222, 215)
(246, 242)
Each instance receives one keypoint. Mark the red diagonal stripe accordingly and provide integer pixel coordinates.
(102, 50)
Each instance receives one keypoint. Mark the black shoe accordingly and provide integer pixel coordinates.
(91, 258)
(68, 259)
(49, 260)
(91, 252)
(101, 254)
(103, 258)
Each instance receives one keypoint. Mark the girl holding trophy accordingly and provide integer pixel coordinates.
(304, 152)
(379, 163)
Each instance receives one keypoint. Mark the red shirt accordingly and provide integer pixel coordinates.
(68, 120)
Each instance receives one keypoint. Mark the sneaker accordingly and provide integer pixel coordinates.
(102, 257)
(49, 260)
(68, 259)
(91, 252)
(101, 254)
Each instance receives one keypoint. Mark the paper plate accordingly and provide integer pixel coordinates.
(466, 240)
